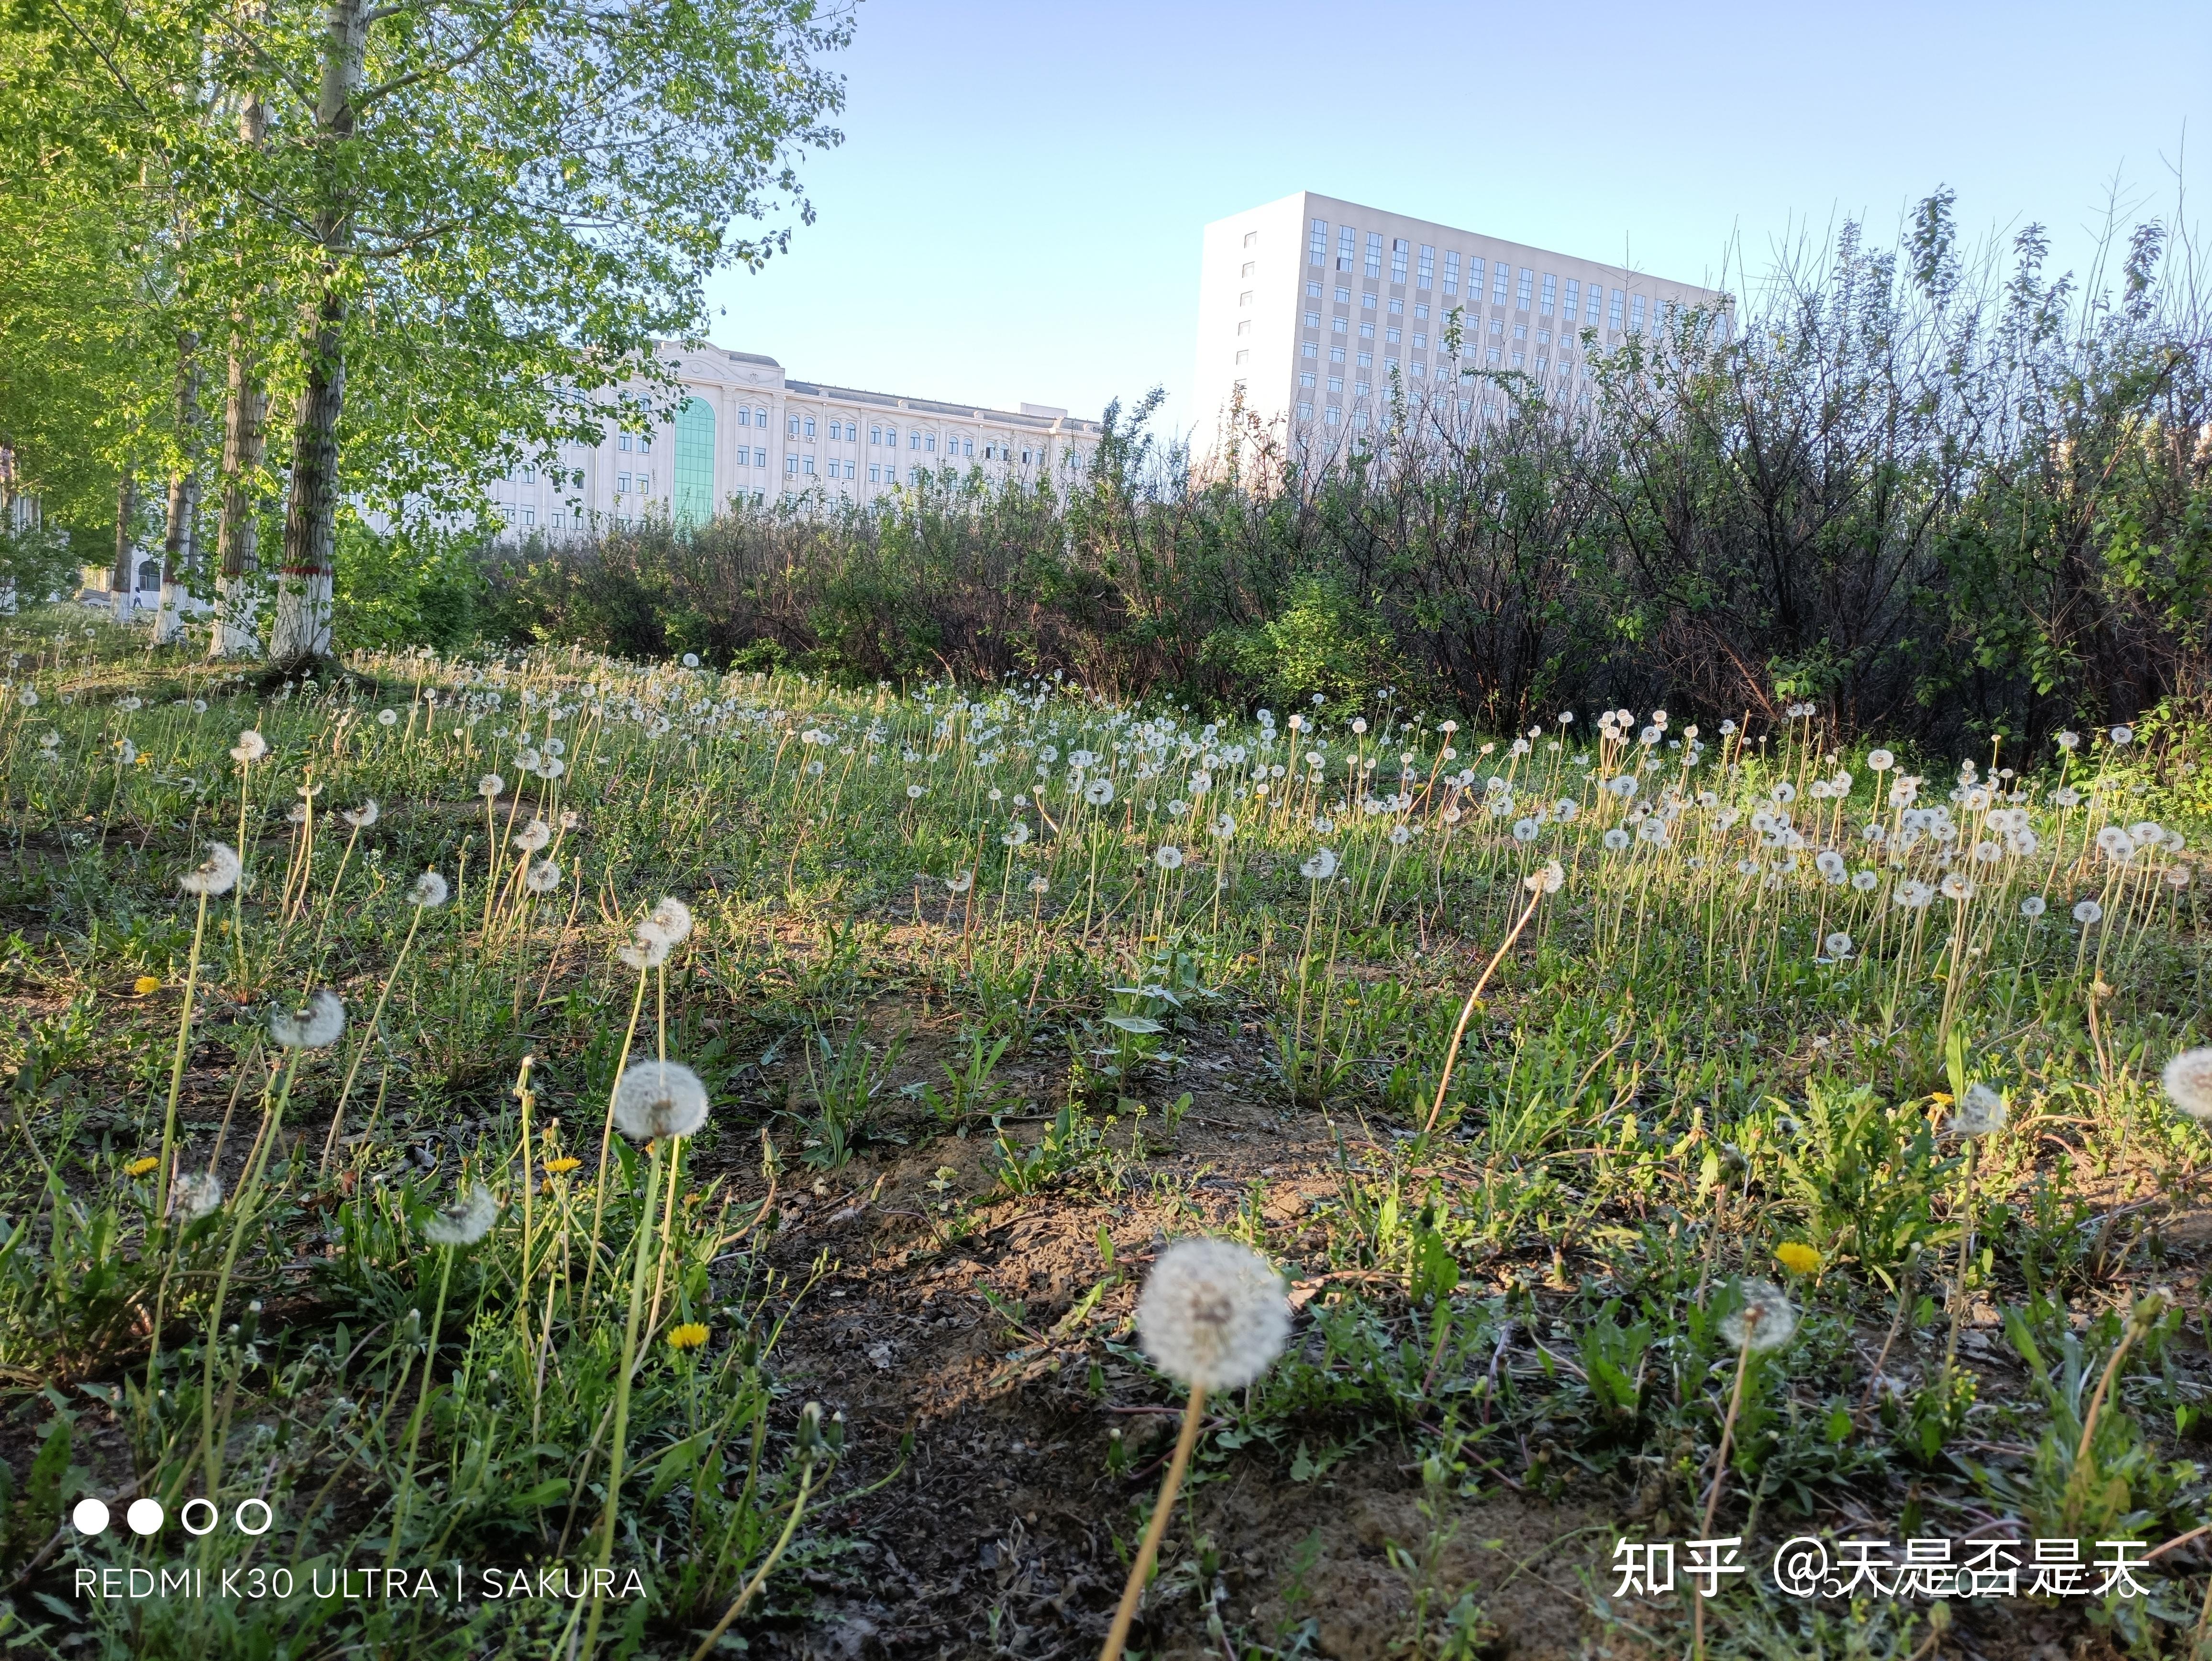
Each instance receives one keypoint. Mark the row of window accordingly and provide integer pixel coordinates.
(1547, 291)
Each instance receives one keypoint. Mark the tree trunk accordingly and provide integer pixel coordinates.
(246, 405)
(124, 580)
(246, 410)
(181, 543)
(303, 595)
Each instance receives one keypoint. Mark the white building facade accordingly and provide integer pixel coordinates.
(744, 432)
(1312, 308)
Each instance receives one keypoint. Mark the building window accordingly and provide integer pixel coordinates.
(1317, 246)
(1574, 296)
(1493, 357)
(1313, 291)
(806, 464)
(1366, 331)
(1245, 327)
(1336, 354)
(1551, 294)
(1427, 270)
(1333, 416)
(530, 516)
(744, 416)
(1474, 279)
(875, 472)
(1451, 270)
(1400, 249)
(1336, 383)
(1391, 335)
(1360, 389)
(1308, 349)
(1635, 313)
(1420, 308)
(1305, 412)
(1339, 325)
(1244, 357)
(555, 519)
(1500, 273)
(1360, 421)
(809, 426)
(1519, 358)
(1367, 302)
(876, 433)
(622, 440)
(1347, 244)
(1613, 309)
(1374, 253)
(526, 474)
(695, 463)
(1523, 290)
(1305, 378)
(968, 446)
(760, 416)
(1419, 341)
(790, 426)
(1250, 265)
(791, 464)
(1244, 299)
(1543, 369)
(622, 485)
(929, 443)
(1397, 308)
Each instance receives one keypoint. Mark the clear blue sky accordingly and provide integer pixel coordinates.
(1015, 211)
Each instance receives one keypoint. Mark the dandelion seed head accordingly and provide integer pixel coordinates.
(251, 747)
(429, 891)
(1320, 866)
(1765, 1321)
(464, 1222)
(1168, 857)
(542, 877)
(193, 1195)
(215, 874)
(490, 785)
(1213, 1314)
(533, 836)
(312, 1027)
(672, 918)
(1838, 944)
(2088, 911)
(659, 1098)
(2188, 1080)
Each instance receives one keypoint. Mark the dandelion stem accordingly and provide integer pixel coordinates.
(621, 1393)
(1141, 1571)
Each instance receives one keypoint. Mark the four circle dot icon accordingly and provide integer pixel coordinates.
(90, 1516)
(145, 1516)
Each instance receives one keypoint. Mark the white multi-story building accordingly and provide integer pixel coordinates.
(745, 432)
(1312, 308)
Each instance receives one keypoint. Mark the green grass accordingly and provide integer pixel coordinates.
(927, 939)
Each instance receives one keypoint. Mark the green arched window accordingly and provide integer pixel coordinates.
(695, 463)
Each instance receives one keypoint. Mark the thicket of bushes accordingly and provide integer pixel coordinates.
(1928, 499)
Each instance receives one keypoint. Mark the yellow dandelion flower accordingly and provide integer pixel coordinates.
(146, 984)
(1797, 1257)
(562, 1166)
(140, 1167)
(689, 1335)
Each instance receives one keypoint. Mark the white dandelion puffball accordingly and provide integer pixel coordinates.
(311, 1028)
(1838, 944)
(1765, 1321)
(1866, 882)
(659, 1098)
(913, 791)
(429, 890)
(1038, 884)
(1224, 828)
(1548, 878)
(363, 817)
(1958, 886)
(961, 883)
(533, 836)
(2122, 735)
(542, 877)
(1017, 837)
(215, 874)
(2088, 911)
(1912, 895)
(2069, 740)
(1320, 867)
(1098, 791)
(251, 747)
(387, 718)
(194, 1195)
(465, 1221)
(2033, 907)
(1981, 1112)
(1213, 1315)
(672, 918)
(1830, 864)
(1616, 838)
(2116, 844)
(690, 659)
(1168, 858)
(490, 785)
(648, 947)
(1880, 760)
(2188, 1081)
